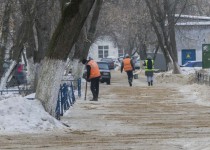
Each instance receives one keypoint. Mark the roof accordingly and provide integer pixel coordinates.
(193, 17)
(193, 20)
(202, 23)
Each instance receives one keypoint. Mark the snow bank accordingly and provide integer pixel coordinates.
(168, 77)
(18, 114)
(5, 96)
(187, 76)
(191, 70)
(197, 93)
(193, 92)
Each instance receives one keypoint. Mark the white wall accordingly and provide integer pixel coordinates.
(192, 37)
(113, 51)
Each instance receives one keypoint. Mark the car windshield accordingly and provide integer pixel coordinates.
(103, 66)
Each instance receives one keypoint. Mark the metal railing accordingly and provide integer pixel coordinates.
(22, 88)
(66, 96)
(202, 78)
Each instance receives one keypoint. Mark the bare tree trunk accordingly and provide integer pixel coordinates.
(4, 41)
(158, 34)
(24, 36)
(165, 33)
(88, 36)
(43, 28)
(156, 50)
(85, 40)
(4, 34)
(39, 37)
(74, 14)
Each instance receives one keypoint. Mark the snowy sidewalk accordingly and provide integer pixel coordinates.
(163, 117)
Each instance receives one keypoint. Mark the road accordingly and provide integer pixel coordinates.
(126, 118)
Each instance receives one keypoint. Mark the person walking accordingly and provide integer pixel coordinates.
(127, 65)
(21, 77)
(149, 69)
(93, 76)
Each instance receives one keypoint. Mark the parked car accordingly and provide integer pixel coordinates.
(105, 72)
(110, 62)
(192, 64)
(191, 67)
(112, 57)
(137, 64)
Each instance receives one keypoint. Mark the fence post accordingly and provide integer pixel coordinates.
(58, 107)
(196, 77)
(79, 87)
(209, 80)
(72, 90)
(66, 98)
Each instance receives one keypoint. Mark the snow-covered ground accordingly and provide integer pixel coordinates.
(20, 115)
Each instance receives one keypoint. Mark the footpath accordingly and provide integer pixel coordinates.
(165, 116)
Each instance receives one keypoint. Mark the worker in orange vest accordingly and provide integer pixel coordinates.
(127, 65)
(93, 75)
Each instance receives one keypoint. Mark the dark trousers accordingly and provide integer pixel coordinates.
(130, 76)
(94, 87)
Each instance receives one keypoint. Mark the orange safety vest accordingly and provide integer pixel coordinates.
(127, 64)
(94, 71)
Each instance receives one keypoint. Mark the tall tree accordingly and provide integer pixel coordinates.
(40, 33)
(86, 38)
(7, 28)
(4, 34)
(128, 28)
(74, 14)
(163, 20)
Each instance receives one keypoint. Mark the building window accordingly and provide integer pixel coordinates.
(120, 53)
(103, 51)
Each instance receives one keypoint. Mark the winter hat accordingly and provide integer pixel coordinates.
(149, 57)
(126, 55)
(84, 61)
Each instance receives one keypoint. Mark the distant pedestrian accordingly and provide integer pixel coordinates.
(127, 65)
(93, 76)
(21, 79)
(149, 69)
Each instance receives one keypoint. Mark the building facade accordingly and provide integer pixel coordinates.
(191, 33)
(104, 48)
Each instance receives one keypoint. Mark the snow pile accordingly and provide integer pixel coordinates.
(197, 93)
(18, 114)
(168, 77)
(188, 70)
(5, 96)
(191, 70)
